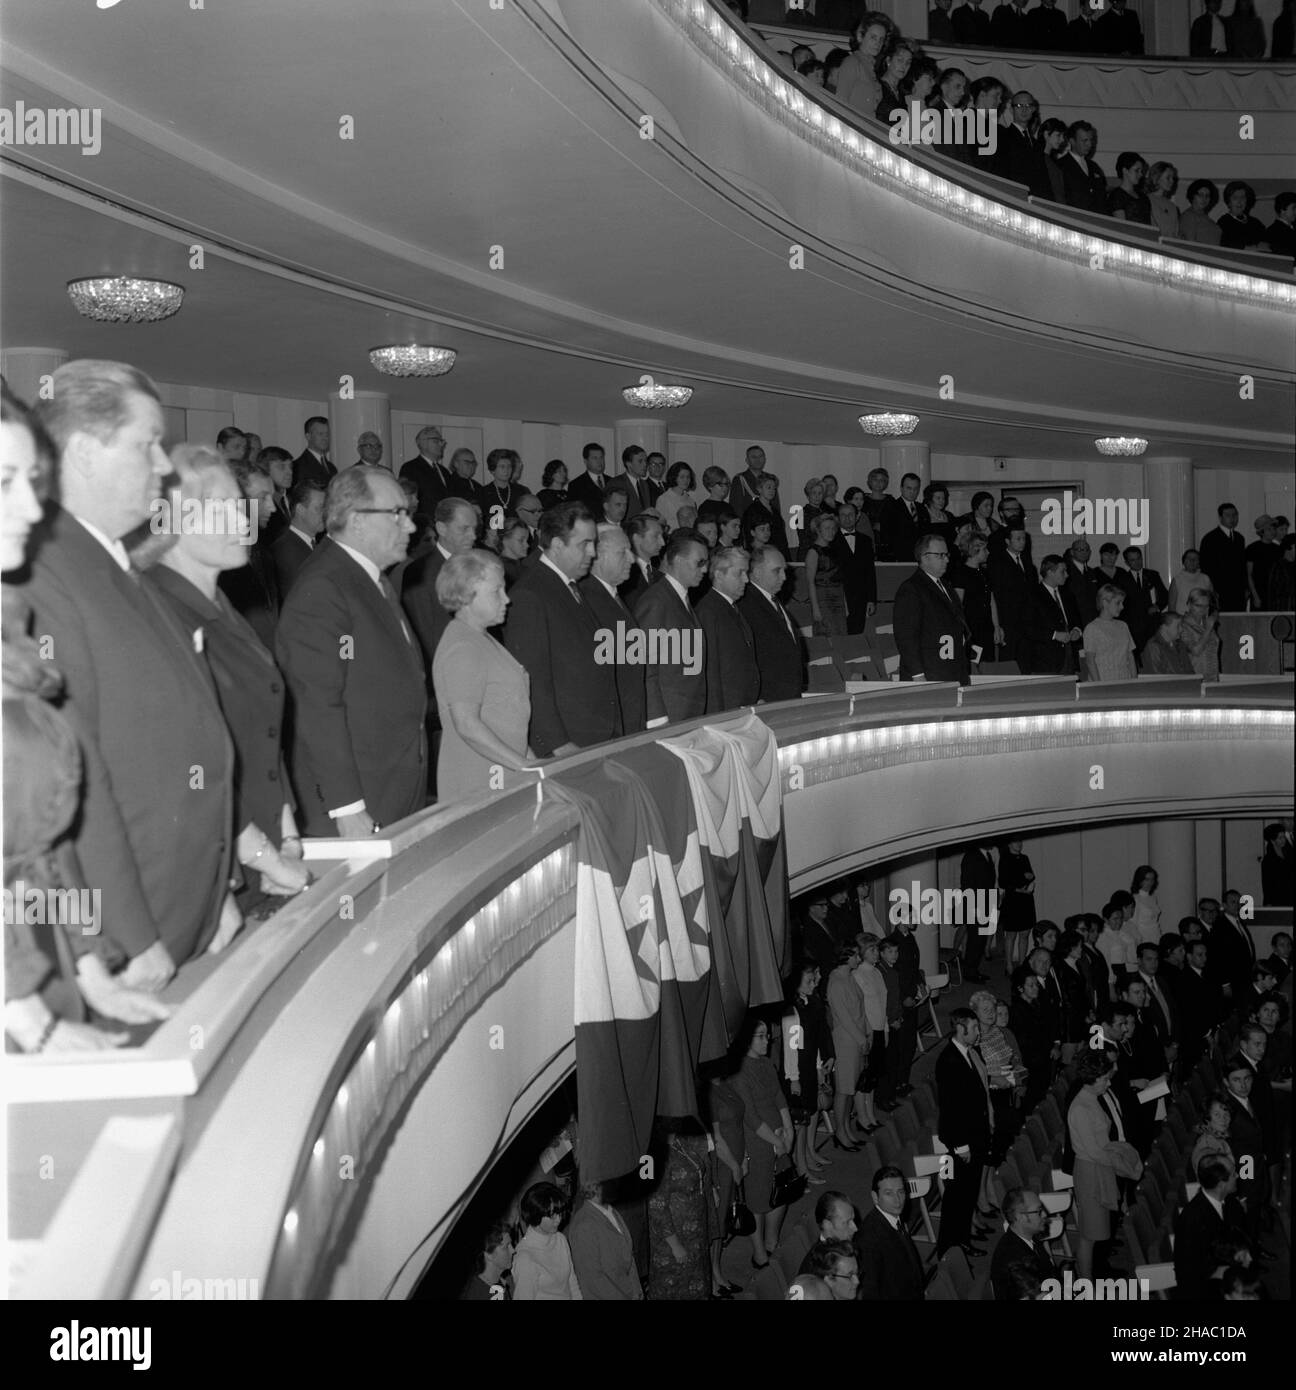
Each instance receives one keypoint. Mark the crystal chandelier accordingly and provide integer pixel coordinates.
(123, 299)
(889, 423)
(648, 395)
(1119, 446)
(413, 359)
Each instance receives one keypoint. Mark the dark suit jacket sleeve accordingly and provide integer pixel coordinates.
(309, 648)
(103, 847)
(526, 635)
(874, 1273)
(907, 615)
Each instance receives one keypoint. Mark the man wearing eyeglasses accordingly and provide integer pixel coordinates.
(930, 629)
(353, 666)
(1022, 1245)
(834, 1262)
(1020, 155)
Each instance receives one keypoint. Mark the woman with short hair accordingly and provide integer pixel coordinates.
(857, 78)
(1127, 200)
(868, 978)
(893, 69)
(1108, 644)
(852, 1039)
(1238, 229)
(824, 580)
(1212, 1134)
(1162, 180)
(1147, 910)
(680, 483)
(542, 1264)
(767, 1126)
(972, 586)
(553, 484)
(483, 694)
(1100, 1161)
(1200, 633)
(807, 1055)
(1195, 222)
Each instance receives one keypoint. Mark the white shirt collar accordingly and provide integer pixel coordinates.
(966, 1051)
(445, 554)
(678, 587)
(316, 452)
(610, 588)
(545, 560)
(1215, 1202)
(297, 531)
(726, 597)
(892, 1221)
(363, 561)
(114, 548)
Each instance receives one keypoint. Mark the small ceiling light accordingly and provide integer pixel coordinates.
(1119, 446)
(889, 423)
(413, 359)
(123, 299)
(649, 395)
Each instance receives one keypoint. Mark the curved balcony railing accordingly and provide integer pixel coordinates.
(995, 206)
(319, 1110)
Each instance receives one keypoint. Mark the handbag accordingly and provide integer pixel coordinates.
(788, 1186)
(739, 1220)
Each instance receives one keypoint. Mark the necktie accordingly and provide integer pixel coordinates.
(782, 612)
(1057, 594)
(598, 480)
(389, 593)
(979, 1066)
(576, 593)
(1017, 558)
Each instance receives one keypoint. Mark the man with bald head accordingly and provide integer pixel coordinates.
(780, 650)
(611, 567)
(733, 677)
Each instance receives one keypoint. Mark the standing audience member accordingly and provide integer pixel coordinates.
(732, 675)
(868, 979)
(890, 1267)
(780, 650)
(602, 1252)
(543, 1270)
(1108, 645)
(1238, 228)
(294, 544)
(965, 1126)
(353, 667)
(930, 629)
(313, 461)
(1195, 222)
(851, 1039)
(1213, 1220)
(677, 680)
(491, 1280)
(824, 578)
(1100, 1161)
(433, 480)
(767, 1127)
(610, 570)
(1189, 577)
(1016, 902)
(129, 666)
(857, 79)
(807, 1056)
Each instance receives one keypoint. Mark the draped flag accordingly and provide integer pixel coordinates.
(680, 924)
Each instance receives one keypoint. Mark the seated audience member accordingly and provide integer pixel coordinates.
(552, 632)
(780, 650)
(491, 1280)
(1199, 632)
(1083, 180)
(1162, 181)
(1119, 31)
(857, 81)
(1022, 1244)
(1100, 1161)
(891, 1269)
(129, 666)
(834, 1262)
(294, 544)
(542, 1263)
(834, 1218)
(248, 684)
(602, 1251)
(483, 693)
(358, 750)
(732, 675)
(1238, 229)
(51, 974)
(1211, 1220)
(1108, 644)
(1195, 222)
(676, 685)
(930, 629)
(1190, 576)
(1212, 1135)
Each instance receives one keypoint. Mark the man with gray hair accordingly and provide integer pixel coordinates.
(155, 831)
(732, 676)
(1022, 1245)
(427, 472)
(353, 666)
(370, 448)
(612, 563)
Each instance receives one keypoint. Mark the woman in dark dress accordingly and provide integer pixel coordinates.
(982, 518)
(1030, 1025)
(940, 521)
(722, 1110)
(767, 1129)
(766, 504)
(553, 484)
(248, 684)
(807, 1046)
(1017, 901)
(824, 579)
(873, 506)
(973, 588)
(1238, 229)
(1128, 201)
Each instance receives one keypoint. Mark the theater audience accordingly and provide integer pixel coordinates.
(1017, 901)
(824, 578)
(1245, 31)
(1162, 180)
(294, 544)
(129, 666)
(930, 629)
(353, 667)
(1190, 577)
(253, 588)
(780, 651)
(1261, 556)
(732, 673)
(807, 1053)
(1002, 1060)
(834, 1262)
(873, 986)
(767, 1129)
(1100, 1161)
(1083, 180)
(543, 1269)
(588, 487)
(553, 484)
(852, 1039)
(893, 70)
(1119, 32)
(1127, 200)
(972, 24)
(313, 461)
(972, 586)
(1207, 37)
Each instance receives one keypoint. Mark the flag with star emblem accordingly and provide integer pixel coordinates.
(652, 913)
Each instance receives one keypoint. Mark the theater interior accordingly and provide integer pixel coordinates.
(575, 195)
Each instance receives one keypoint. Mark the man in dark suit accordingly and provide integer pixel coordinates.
(1147, 600)
(890, 1267)
(1046, 28)
(1020, 155)
(1207, 37)
(656, 476)
(1021, 1246)
(634, 482)
(1008, 25)
(1148, 1059)
(253, 588)
(589, 487)
(1012, 581)
(1120, 32)
(940, 29)
(1110, 572)
(1223, 558)
(1206, 1230)
(1051, 629)
(1252, 1044)
(1232, 949)
(1081, 585)
(1083, 34)
(780, 649)
(611, 565)
(1161, 1007)
(964, 1124)
(278, 463)
(314, 461)
(353, 667)
(1201, 1004)
(553, 632)
(646, 543)
(154, 834)
(854, 555)
(677, 682)
(426, 471)
(972, 24)
(1247, 1140)
(904, 518)
(930, 629)
(745, 488)
(732, 676)
(977, 872)
(293, 547)
(1083, 181)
